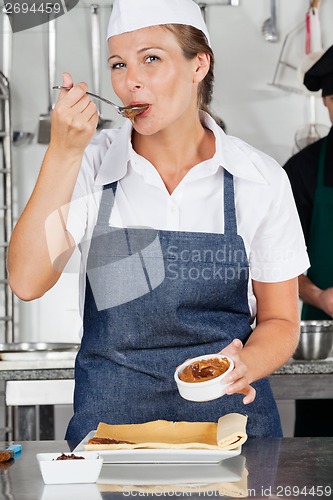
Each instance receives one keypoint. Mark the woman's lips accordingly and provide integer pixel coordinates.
(145, 112)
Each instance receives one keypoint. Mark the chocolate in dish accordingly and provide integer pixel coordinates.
(69, 457)
(96, 440)
(205, 369)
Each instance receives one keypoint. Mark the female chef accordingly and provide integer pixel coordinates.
(187, 235)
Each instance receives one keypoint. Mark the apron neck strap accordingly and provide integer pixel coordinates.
(107, 202)
(230, 222)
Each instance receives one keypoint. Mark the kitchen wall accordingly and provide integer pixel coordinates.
(261, 114)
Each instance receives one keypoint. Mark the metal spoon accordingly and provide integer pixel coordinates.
(127, 111)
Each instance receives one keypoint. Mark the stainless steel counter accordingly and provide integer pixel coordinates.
(304, 380)
(294, 380)
(266, 468)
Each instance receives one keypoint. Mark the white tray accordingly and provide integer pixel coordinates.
(148, 456)
(230, 470)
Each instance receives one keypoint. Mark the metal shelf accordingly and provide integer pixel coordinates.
(6, 208)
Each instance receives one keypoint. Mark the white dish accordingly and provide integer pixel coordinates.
(165, 456)
(70, 471)
(230, 470)
(206, 390)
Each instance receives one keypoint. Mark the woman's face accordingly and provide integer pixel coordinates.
(148, 66)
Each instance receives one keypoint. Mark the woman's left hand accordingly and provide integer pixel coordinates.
(238, 376)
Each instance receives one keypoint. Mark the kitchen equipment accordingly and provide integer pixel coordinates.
(192, 475)
(311, 132)
(126, 111)
(22, 138)
(316, 340)
(160, 455)
(269, 27)
(19, 138)
(37, 350)
(84, 470)
(313, 42)
(10, 452)
(7, 322)
(203, 8)
(283, 64)
(96, 54)
(206, 390)
(44, 130)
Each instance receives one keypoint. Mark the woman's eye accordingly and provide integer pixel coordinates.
(117, 65)
(150, 59)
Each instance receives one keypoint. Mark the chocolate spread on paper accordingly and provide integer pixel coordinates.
(96, 440)
(205, 369)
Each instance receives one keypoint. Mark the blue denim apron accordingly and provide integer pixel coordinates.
(154, 299)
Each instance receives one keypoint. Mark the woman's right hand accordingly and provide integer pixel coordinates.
(74, 118)
(238, 377)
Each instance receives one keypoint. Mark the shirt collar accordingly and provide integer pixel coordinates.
(240, 159)
(114, 164)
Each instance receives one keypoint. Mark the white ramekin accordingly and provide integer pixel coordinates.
(203, 391)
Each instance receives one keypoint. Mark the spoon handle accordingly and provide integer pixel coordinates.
(102, 99)
(58, 87)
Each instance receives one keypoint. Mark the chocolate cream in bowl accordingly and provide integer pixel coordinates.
(205, 369)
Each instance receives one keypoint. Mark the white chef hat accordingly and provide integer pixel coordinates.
(130, 15)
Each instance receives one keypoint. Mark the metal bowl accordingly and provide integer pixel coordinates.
(316, 340)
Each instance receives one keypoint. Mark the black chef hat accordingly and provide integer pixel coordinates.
(320, 75)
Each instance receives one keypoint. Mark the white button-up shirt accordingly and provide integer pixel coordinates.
(267, 218)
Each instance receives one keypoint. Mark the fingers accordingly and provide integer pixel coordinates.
(70, 98)
(76, 94)
(233, 348)
(90, 115)
(250, 395)
(75, 103)
(237, 378)
(74, 118)
(242, 387)
(67, 81)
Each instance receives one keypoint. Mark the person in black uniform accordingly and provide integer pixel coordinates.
(311, 176)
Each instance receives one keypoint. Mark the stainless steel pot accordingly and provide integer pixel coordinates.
(316, 340)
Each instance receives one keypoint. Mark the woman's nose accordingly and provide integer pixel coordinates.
(134, 82)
